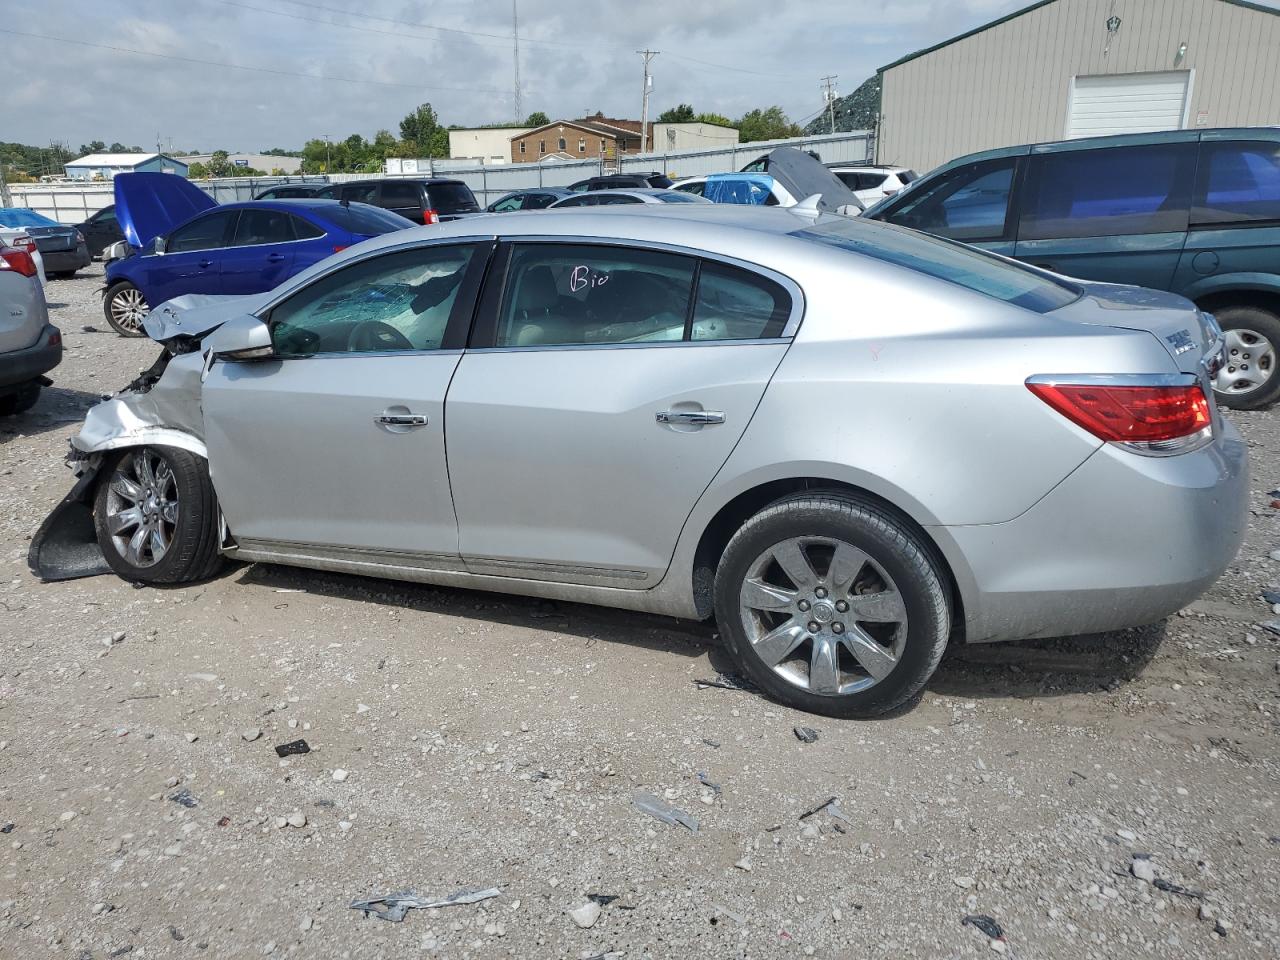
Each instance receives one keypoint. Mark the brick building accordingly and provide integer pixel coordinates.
(585, 139)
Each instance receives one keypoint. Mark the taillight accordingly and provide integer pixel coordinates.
(55, 338)
(430, 216)
(25, 243)
(18, 260)
(339, 248)
(1170, 415)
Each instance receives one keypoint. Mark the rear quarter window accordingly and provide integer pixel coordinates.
(955, 263)
(1238, 183)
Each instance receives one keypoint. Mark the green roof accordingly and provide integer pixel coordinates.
(1247, 4)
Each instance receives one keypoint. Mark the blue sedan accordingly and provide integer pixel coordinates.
(235, 248)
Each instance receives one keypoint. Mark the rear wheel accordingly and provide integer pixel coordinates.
(124, 307)
(832, 605)
(1249, 379)
(156, 516)
(20, 401)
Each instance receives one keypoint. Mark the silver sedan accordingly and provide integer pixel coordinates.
(848, 442)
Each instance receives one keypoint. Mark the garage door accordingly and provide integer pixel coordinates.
(1127, 103)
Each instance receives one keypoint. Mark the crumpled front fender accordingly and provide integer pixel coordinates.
(166, 415)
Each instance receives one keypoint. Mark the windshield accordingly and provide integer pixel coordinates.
(946, 260)
(22, 217)
(362, 218)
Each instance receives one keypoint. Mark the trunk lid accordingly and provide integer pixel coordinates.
(1191, 338)
(53, 239)
(149, 205)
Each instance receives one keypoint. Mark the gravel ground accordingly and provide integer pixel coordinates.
(492, 741)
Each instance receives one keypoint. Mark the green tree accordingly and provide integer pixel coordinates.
(716, 118)
(219, 165)
(95, 146)
(537, 119)
(423, 131)
(768, 124)
(681, 114)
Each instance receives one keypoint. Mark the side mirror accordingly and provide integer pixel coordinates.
(158, 244)
(244, 338)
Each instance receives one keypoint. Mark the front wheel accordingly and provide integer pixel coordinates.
(125, 307)
(832, 605)
(1248, 379)
(156, 516)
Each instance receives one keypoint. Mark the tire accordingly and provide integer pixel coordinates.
(183, 513)
(903, 630)
(1253, 354)
(20, 401)
(124, 307)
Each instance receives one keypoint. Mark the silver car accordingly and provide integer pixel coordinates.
(847, 441)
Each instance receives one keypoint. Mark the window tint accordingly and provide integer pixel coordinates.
(508, 203)
(586, 200)
(966, 204)
(204, 233)
(362, 218)
(401, 194)
(1111, 192)
(582, 294)
(671, 196)
(735, 304)
(956, 263)
(697, 188)
(1239, 182)
(107, 215)
(327, 193)
(908, 176)
(398, 302)
(305, 229)
(452, 198)
(366, 192)
(262, 226)
(537, 201)
(612, 199)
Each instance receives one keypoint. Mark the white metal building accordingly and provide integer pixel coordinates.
(670, 137)
(1061, 69)
(490, 144)
(266, 162)
(104, 166)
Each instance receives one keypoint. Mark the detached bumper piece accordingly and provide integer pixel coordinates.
(66, 545)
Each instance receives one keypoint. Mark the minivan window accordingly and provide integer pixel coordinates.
(1117, 191)
(970, 203)
(360, 192)
(956, 263)
(1239, 183)
(400, 194)
(452, 198)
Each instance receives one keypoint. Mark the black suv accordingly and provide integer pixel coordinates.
(621, 181)
(422, 201)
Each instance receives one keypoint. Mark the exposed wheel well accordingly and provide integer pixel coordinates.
(1218, 300)
(737, 511)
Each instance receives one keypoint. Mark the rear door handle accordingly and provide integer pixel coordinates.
(401, 419)
(689, 416)
(205, 264)
(274, 257)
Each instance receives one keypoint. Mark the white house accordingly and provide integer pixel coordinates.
(104, 166)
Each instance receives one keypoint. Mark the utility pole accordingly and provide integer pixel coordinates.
(829, 91)
(648, 55)
(5, 199)
(515, 37)
(326, 152)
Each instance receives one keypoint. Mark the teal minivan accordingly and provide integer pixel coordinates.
(1196, 212)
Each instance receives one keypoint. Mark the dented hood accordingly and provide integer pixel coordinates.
(149, 205)
(195, 314)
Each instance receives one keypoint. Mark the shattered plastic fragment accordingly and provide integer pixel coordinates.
(832, 806)
(737, 918)
(648, 803)
(1271, 596)
(1168, 887)
(713, 787)
(185, 797)
(727, 681)
(394, 906)
(805, 734)
(984, 923)
(603, 899)
(291, 748)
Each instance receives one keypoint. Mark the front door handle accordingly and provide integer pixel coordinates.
(401, 419)
(690, 416)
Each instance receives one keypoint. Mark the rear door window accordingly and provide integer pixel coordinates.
(509, 203)
(401, 195)
(1239, 182)
(366, 192)
(1117, 191)
(697, 188)
(970, 203)
(538, 201)
(258, 227)
(452, 198)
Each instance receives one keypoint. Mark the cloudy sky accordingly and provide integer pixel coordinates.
(318, 70)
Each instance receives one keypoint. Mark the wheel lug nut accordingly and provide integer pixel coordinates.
(820, 592)
(813, 626)
(837, 627)
(842, 606)
(803, 604)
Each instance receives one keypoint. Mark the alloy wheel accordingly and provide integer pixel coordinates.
(142, 508)
(823, 615)
(128, 308)
(1250, 362)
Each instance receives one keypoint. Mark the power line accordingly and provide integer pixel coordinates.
(240, 66)
(515, 38)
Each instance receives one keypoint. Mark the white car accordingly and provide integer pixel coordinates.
(872, 183)
(18, 237)
(778, 195)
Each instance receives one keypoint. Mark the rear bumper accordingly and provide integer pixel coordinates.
(1125, 540)
(23, 366)
(58, 260)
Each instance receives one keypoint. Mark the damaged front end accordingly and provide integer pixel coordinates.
(161, 407)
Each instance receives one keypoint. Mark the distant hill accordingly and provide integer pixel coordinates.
(859, 110)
